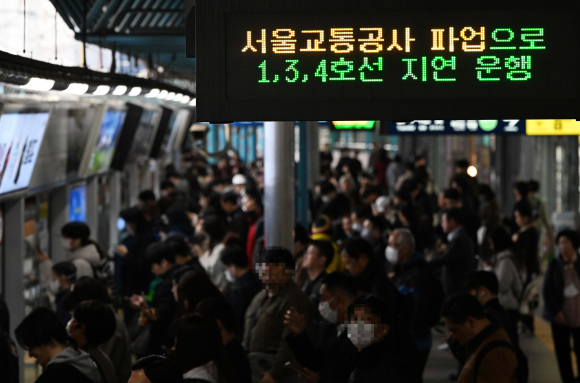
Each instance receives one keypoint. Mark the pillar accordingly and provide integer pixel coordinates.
(114, 206)
(313, 149)
(92, 204)
(279, 183)
(57, 217)
(13, 271)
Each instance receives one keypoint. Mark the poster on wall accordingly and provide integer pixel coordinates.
(20, 138)
(77, 204)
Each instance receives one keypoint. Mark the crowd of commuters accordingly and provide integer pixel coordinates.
(197, 295)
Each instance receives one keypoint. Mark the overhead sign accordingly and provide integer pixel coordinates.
(353, 125)
(375, 59)
(458, 127)
(553, 127)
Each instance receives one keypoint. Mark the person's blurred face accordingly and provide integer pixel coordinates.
(41, 354)
(174, 291)
(239, 188)
(310, 258)
(203, 201)
(138, 376)
(365, 314)
(404, 251)
(448, 225)
(274, 275)
(517, 195)
(160, 269)
(354, 266)
(347, 225)
(567, 251)
(346, 185)
(228, 206)
(521, 220)
(463, 333)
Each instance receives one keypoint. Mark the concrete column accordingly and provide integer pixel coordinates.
(279, 183)
(92, 204)
(573, 180)
(313, 153)
(57, 217)
(133, 170)
(13, 272)
(302, 191)
(147, 176)
(155, 174)
(114, 206)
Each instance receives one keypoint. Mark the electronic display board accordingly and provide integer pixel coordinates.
(455, 127)
(77, 210)
(353, 125)
(360, 60)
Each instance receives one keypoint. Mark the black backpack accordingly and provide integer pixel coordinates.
(523, 369)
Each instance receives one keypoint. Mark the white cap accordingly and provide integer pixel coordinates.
(381, 204)
(239, 179)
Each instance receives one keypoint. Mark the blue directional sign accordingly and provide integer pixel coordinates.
(458, 127)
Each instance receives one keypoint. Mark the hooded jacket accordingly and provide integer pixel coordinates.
(84, 259)
(70, 366)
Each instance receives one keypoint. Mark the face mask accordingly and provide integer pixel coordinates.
(229, 277)
(327, 313)
(366, 235)
(392, 255)
(242, 192)
(361, 334)
(325, 199)
(65, 243)
(357, 227)
(53, 286)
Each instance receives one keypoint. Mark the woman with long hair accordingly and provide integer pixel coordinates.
(215, 230)
(199, 351)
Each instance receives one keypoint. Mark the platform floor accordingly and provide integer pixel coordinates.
(539, 350)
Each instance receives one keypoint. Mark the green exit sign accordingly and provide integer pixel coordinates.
(353, 125)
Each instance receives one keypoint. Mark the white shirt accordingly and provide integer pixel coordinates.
(214, 268)
(205, 372)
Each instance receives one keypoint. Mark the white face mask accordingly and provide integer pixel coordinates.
(229, 277)
(53, 286)
(65, 243)
(325, 199)
(366, 234)
(357, 227)
(327, 313)
(392, 255)
(361, 334)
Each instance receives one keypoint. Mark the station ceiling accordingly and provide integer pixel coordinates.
(150, 29)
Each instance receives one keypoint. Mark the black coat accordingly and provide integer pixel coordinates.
(238, 359)
(238, 223)
(62, 373)
(165, 305)
(414, 279)
(497, 314)
(321, 328)
(457, 262)
(554, 288)
(381, 363)
(334, 362)
(241, 294)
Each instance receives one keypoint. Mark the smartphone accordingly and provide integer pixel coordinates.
(295, 367)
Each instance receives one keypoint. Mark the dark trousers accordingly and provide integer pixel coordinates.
(421, 357)
(513, 330)
(561, 336)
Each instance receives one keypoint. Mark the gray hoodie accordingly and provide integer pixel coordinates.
(84, 259)
(79, 360)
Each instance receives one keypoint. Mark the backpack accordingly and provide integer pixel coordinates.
(435, 301)
(104, 271)
(523, 369)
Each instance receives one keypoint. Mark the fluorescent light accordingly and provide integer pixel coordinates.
(153, 93)
(185, 99)
(76, 88)
(135, 91)
(163, 95)
(170, 96)
(193, 102)
(39, 84)
(120, 90)
(102, 90)
(178, 97)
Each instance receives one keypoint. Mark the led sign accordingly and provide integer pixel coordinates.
(305, 60)
(458, 127)
(353, 125)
